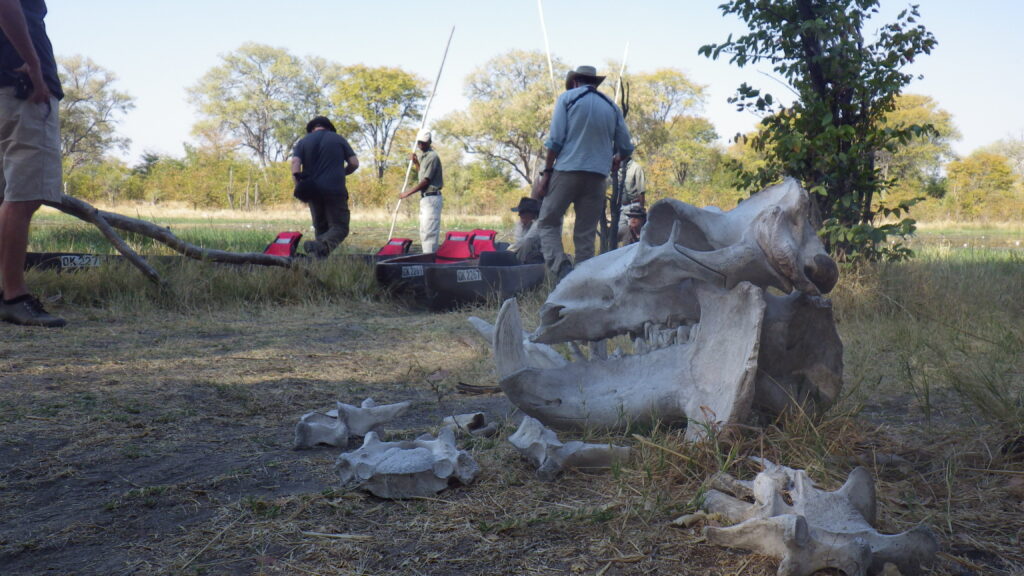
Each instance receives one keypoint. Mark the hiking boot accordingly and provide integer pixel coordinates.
(315, 248)
(27, 310)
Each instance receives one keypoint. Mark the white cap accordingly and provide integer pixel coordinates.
(423, 136)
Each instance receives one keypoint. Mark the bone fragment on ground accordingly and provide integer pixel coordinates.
(819, 530)
(409, 468)
(368, 416)
(543, 449)
(474, 424)
(334, 430)
(318, 428)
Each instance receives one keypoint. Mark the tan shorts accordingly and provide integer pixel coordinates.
(29, 149)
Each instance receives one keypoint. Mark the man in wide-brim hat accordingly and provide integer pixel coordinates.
(583, 73)
(587, 139)
(526, 242)
(636, 217)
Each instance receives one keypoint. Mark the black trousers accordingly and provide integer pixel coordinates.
(331, 219)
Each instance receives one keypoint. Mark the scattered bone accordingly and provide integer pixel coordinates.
(318, 428)
(542, 448)
(407, 469)
(690, 520)
(368, 416)
(474, 424)
(819, 530)
(328, 428)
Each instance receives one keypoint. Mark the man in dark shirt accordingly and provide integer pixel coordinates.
(29, 149)
(325, 158)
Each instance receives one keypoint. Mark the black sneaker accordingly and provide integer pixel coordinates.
(27, 310)
(315, 249)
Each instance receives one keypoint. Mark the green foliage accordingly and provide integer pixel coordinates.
(260, 96)
(375, 102)
(917, 166)
(510, 105)
(89, 112)
(830, 136)
(983, 182)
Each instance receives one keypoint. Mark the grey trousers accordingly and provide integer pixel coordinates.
(430, 222)
(585, 191)
(330, 220)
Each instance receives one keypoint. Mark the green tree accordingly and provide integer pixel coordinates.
(376, 101)
(982, 183)
(656, 99)
(917, 166)
(1013, 149)
(261, 97)
(89, 112)
(510, 105)
(845, 85)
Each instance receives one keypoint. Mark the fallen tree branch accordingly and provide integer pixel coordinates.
(107, 221)
(87, 212)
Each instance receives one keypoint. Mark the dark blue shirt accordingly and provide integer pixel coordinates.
(35, 11)
(323, 155)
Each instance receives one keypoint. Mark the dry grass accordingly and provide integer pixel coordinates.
(153, 435)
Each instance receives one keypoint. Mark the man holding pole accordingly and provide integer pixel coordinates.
(429, 185)
(587, 138)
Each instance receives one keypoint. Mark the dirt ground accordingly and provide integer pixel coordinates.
(163, 445)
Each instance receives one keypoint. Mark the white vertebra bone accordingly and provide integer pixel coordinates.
(541, 446)
(407, 469)
(336, 426)
(818, 530)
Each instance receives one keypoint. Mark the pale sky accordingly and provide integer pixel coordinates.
(157, 48)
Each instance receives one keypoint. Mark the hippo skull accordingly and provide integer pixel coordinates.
(709, 343)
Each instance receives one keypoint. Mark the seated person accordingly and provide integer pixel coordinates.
(527, 238)
(635, 219)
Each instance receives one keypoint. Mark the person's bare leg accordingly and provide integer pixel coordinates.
(15, 218)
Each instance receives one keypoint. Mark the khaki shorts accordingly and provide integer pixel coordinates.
(29, 150)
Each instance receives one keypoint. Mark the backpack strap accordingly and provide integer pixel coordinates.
(590, 90)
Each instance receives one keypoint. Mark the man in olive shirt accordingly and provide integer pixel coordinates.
(429, 185)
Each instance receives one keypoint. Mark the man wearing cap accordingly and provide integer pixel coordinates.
(527, 239)
(632, 193)
(324, 158)
(431, 181)
(30, 164)
(635, 220)
(587, 139)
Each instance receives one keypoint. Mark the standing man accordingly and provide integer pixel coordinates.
(587, 138)
(324, 158)
(632, 189)
(431, 181)
(527, 239)
(29, 149)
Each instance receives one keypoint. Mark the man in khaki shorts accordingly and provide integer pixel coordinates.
(29, 149)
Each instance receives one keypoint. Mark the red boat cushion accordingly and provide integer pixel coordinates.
(395, 246)
(456, 246)
(284, 245)
(483, 241)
